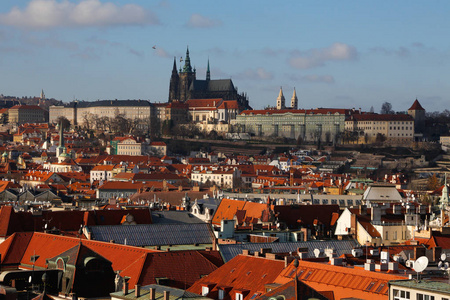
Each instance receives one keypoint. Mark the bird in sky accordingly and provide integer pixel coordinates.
(154, 47)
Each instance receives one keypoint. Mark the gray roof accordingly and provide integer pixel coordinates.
(229, 251)
(174, 217)
(108, 103)
(217, 85)
(154, 234)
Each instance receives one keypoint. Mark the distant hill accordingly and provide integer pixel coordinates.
(10, 101)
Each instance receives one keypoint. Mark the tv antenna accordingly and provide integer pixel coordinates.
(420, 264)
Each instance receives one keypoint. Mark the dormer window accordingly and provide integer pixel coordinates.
(239, 296)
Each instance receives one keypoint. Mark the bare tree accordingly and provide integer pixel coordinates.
(386, 108)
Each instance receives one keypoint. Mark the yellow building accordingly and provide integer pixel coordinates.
(20, 114)
(370, 128)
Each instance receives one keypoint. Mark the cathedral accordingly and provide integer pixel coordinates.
(184, 86)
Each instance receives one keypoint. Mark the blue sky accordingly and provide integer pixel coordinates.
(339, 54)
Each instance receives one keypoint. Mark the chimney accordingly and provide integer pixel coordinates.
(376, 214)
(288, 260)
(418, 252)
(125, 286)
(152, 293)
(363, 210)
(137, 290)
(437, 251)
(166, 295)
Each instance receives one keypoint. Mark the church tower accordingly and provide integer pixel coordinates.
(187, 76)
(208, 73)
(174, 92)
(294, 100)
(281, 101)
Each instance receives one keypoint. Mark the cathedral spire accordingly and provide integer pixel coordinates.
(281, 100)
(294, 100)
(208, 74)
(187, 63)
(174, 69)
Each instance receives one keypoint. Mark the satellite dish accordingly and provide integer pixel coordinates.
(420, 264)
(316, 252)
(443, 256)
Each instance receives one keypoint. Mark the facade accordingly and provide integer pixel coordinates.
(129, 146)
(324, 124)
(224, 177)
(20, 114)
(101, 173)
(81, 112)
(184, 85)
(391, 127)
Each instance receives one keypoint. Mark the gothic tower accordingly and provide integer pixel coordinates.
(294, 100)
(174, 92)
(208, 74)
(281, 101)
(187, 76)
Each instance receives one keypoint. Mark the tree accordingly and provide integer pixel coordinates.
(433, 183)
(64, 121)
(386, 108)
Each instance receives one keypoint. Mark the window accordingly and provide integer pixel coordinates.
(239, 296)
(221, 294)
(370, 286)
(424, 297)
(401, 295)
(386, 237)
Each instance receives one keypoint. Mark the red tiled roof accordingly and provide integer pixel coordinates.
(48, 245)
(342, 281)
(242, 273)
(26, 107)
(322, 111)
(183, 268)
(416, 106)
(228, 208)
(384, 117)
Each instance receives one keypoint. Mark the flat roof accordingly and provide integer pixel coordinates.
(428, 285)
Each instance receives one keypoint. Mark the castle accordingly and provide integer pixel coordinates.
(185, 86)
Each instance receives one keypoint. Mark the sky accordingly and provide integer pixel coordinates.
(336, 54)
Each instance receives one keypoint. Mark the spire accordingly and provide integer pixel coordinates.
(294, 100)
(281, 100)
(42, 94)
(208, 74)
(174, 69)
(61, 135)
(187, 63)
(444, 201)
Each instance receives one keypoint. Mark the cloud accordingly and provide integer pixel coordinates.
(45, 14)
(137, 53)
(199, 21)
(88, 53)
(103, 42)
(318, 57)
(257, 74)
(52, 41)
(400, 51)
(313, 78)
(162, 53)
